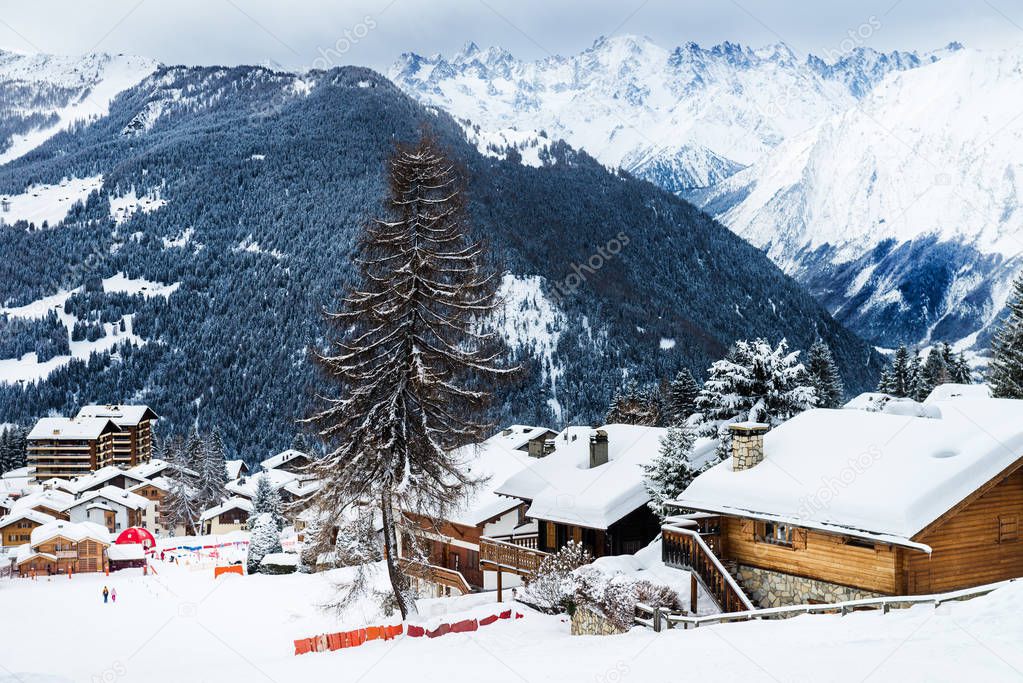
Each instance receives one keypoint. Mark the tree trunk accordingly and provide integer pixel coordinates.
(399, 582)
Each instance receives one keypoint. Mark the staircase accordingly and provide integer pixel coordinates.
(683, 547)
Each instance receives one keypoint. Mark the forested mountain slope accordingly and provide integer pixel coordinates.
(227, 206)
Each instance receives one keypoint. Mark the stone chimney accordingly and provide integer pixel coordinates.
(598, 448)
(747, 444)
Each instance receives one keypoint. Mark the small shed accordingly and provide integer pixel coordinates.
(126, 555)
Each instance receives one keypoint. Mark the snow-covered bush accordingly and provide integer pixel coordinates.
(615, 595)
(279, 563)
(264, 540)
(553, 587)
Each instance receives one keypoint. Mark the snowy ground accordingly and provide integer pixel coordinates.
(182, 625)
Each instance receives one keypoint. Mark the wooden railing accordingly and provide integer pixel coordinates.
(659, 618)
(441, 576)
(509, 557)
(531, 541)
(685, 548)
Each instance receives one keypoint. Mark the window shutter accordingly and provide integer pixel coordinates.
(552, 541)
(749, 529)
(799, 538)
(577, 534)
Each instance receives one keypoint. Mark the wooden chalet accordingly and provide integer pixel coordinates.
(588, 488)
(844, 504)
(16, 528)
(287, 461)
(458, 549)
(231, 515)
(59, 546)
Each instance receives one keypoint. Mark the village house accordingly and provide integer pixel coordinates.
(133, 442)
(843, 504)
(236, 468)
(289, 460)
(16, 528)
(231, 515)
(453, 555)
(59, 546)
(63, 448)
(155, 491)
(589, 489)
(111, 507)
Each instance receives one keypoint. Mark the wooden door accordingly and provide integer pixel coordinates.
(920, 581)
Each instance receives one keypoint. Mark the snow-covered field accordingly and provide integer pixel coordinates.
(182, 625)
(48, 204)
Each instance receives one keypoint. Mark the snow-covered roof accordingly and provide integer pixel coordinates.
(73, 531)
(234, 468)
(494, 461)
(88, 481)
(246, 485)
(148, 470)
(18, 473)
(52, 499)
(868, 473)
(233, 503)
(564, 488)
(516, 437)
(300, 488)
(283, 457)
(27, 514)
(126, 551)
(71, 429)
(947, 392)
(121, 415)
(114, 494)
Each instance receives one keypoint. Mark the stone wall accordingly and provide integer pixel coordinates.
(586, 622)
(774, 589)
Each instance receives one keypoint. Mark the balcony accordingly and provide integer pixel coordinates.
(502, 556)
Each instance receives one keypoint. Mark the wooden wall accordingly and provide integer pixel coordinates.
(967, 551)
(814, 555)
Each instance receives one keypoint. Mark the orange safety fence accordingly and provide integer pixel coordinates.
(233, 569)
(338, 641)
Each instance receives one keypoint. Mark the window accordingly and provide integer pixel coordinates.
(1008, 528)
(777, 534)
(860, 543)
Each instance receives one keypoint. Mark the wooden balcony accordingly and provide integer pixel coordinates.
(441, 576)
(683, 547)
(502, 556)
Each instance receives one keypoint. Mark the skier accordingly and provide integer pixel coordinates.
(106, 594)
(113, 595)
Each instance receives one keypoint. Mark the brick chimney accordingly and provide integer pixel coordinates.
(747, 444)
(598, 448)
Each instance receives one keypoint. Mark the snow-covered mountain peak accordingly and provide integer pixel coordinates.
(685, 117)
(57, 91)
(930, 156)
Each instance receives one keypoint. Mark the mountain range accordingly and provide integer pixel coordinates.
(883, 182)
(180, 248)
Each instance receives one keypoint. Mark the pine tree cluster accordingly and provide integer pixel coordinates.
(915, 377)
(1005, 374)
(198, 476)
(13, 444)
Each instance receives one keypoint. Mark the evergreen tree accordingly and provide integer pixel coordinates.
(6, 451)
(935, 370)
(671, 471)
(682, 394)
(897, 380)
(1005, 372)
(264, 540)
(960, 371)
(212, 472)
(754, 382)
(299, 443)
(181, 505)
(412, 361)
(918, 388)
(824, 376)
(635, 406)
(267, 500)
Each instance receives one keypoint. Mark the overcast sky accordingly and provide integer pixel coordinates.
(374, 32)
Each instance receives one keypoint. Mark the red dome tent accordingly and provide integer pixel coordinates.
(136, 534)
